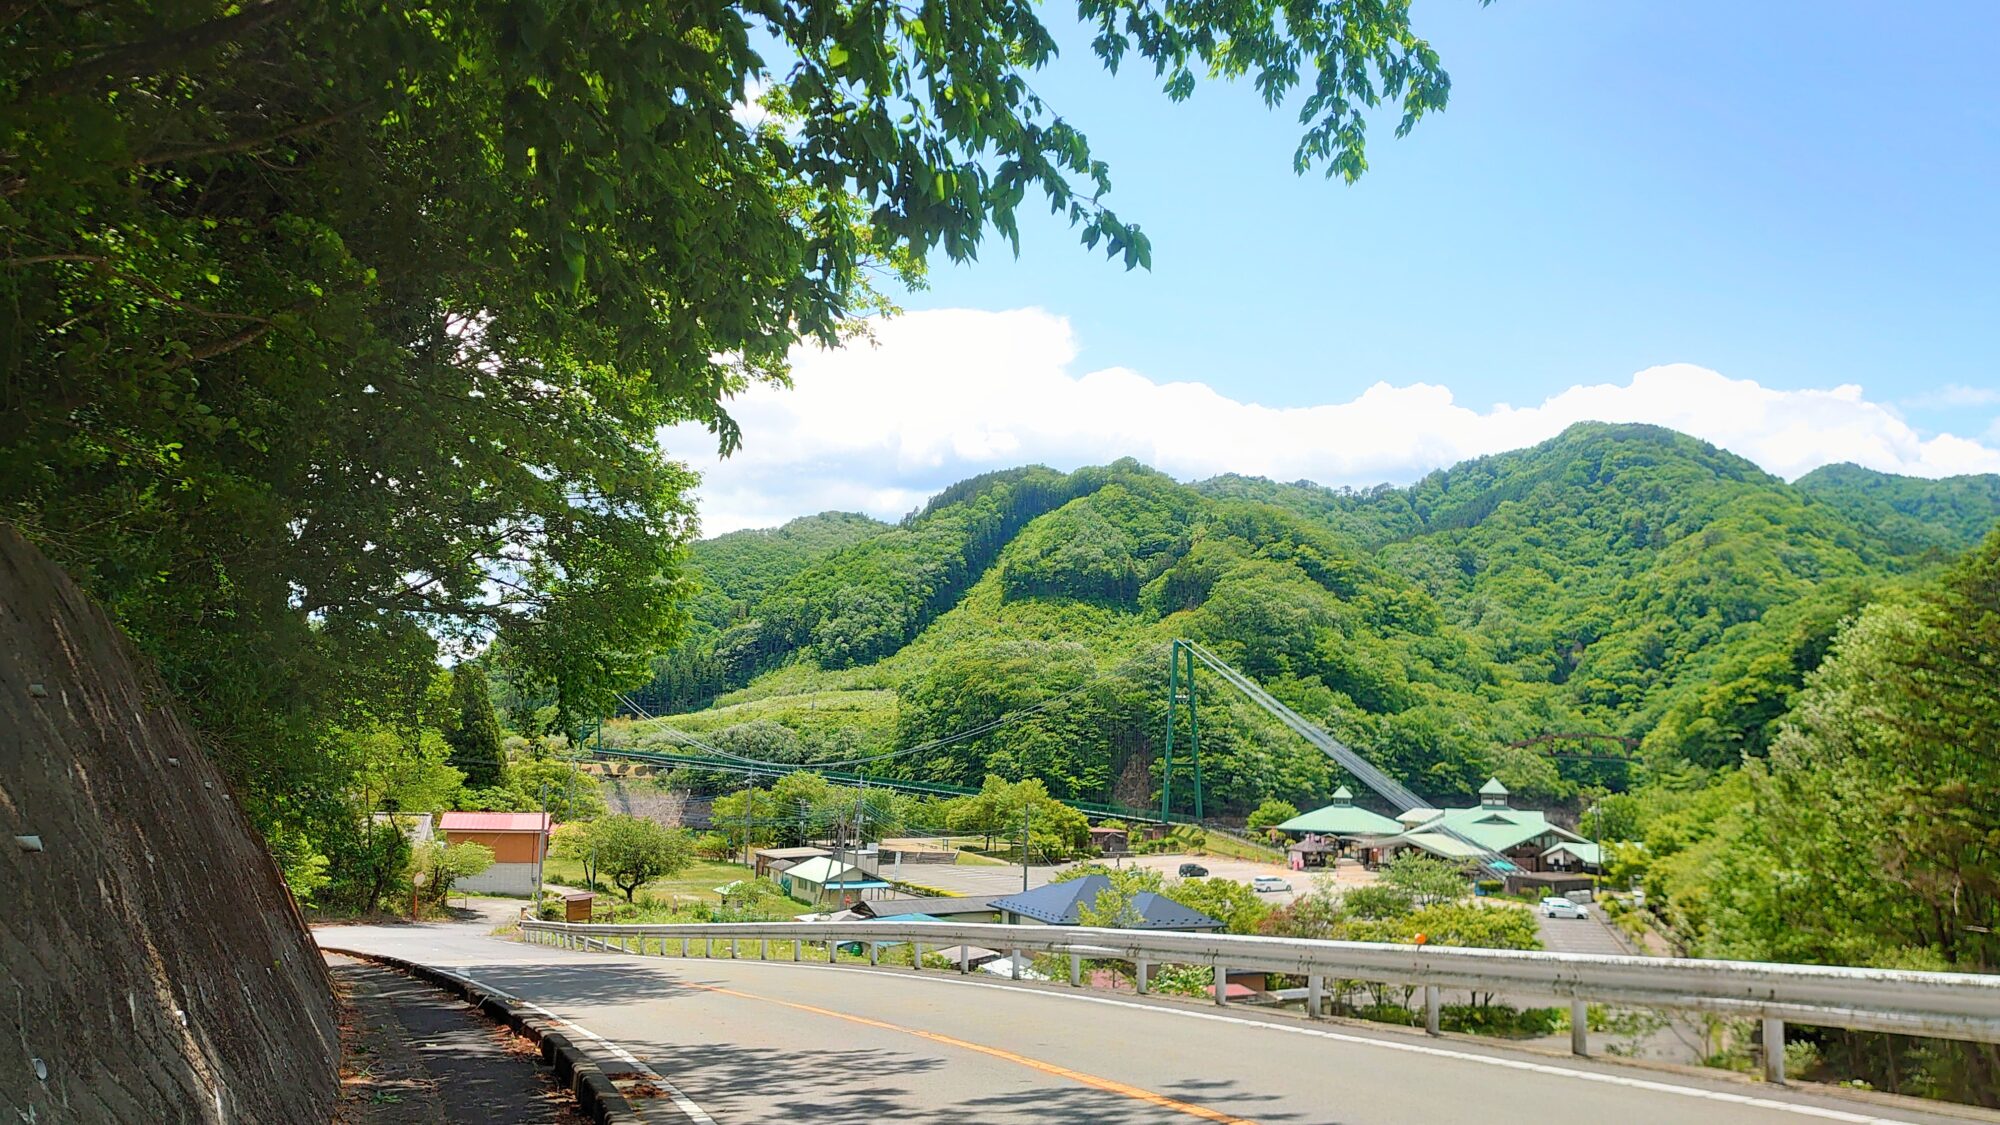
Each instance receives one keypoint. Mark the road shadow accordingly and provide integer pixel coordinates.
(744, 1080)
(606, 981)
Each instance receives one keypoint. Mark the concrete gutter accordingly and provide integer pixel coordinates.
(577, 1065)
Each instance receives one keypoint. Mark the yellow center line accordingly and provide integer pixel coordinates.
(1134, 1092)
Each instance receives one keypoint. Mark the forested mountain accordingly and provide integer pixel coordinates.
(730, 575)
(736, 570)
(1951, 514)
(1624, 580)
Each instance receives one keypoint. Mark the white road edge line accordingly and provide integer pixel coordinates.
(681, 1101)
(1363, 1040)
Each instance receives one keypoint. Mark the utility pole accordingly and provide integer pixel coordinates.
(1027, 818)
(542, 851)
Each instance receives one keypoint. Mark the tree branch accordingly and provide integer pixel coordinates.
(246, 144)
(134, 59)
(223, 346)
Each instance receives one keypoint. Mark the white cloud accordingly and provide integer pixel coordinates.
(943, 395)
(748, 113)
(1954, 394)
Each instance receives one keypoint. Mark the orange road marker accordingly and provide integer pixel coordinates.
(1093, 1081)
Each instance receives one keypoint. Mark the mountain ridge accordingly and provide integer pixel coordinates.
(1623, 579)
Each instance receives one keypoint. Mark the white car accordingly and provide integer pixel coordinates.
(1563, 908)
(1263, 883)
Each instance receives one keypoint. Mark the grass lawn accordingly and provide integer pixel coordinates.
(697, 882)
(1220, 843)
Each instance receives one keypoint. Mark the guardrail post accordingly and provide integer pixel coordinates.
(1076, 970)
(1774, 1051)
(1142, 967)
(874, 954)
(916, 957)
(1431, 1009)
(684, 948)
(1579, 1027)
(798, 944)
(764, 949)
(1315, 993)
(1221, 984)
(1014, 958)
(732, 949)
(964, 958)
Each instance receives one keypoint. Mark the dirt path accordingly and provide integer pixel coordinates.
(412, 1054)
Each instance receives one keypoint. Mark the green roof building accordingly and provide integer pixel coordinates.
(1342, 818)
(1523, 836)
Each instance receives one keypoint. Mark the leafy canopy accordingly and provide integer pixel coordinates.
(337, 329)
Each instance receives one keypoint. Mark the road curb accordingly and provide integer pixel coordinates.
(574, 1066)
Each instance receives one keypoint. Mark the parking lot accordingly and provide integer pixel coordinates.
(1244, 870)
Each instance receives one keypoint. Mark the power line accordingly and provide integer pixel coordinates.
(933, 744)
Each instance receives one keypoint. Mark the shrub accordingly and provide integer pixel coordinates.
(445, 864)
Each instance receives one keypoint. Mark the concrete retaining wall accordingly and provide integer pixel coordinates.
(501, 879)
(152, 967)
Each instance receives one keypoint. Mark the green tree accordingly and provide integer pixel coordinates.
(633, 851)
(575, 841)
(1376, 902)
(1319, 913)
(473, 730)
(1227, 901)
(569, 793)
(1114, 908)
(1425, 880)
(445, 864)
(1004, 809)
(1455, 924)
(1271, 813)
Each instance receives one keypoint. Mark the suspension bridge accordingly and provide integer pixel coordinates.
(1184, 657)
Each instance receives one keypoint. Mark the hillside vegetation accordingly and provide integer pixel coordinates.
(1622, 580)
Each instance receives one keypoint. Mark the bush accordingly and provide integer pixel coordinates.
(1503, 1020)
(1375, 902)
(445, 864)
(1232, 903)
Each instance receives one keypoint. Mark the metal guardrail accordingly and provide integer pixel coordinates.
(1943, 1005)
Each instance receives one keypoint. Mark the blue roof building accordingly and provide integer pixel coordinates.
(1062, 904)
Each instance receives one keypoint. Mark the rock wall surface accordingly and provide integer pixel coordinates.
(152, 966)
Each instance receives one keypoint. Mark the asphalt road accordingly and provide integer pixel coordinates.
(1579, 935)
(749, 1041)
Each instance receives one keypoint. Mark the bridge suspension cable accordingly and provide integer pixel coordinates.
(1365, 771)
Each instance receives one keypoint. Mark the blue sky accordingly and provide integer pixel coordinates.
(1804, 193)
(1796, 196)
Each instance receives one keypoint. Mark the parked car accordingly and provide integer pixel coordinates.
(1193, 871)
(1269, 883)
(1563, 908)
